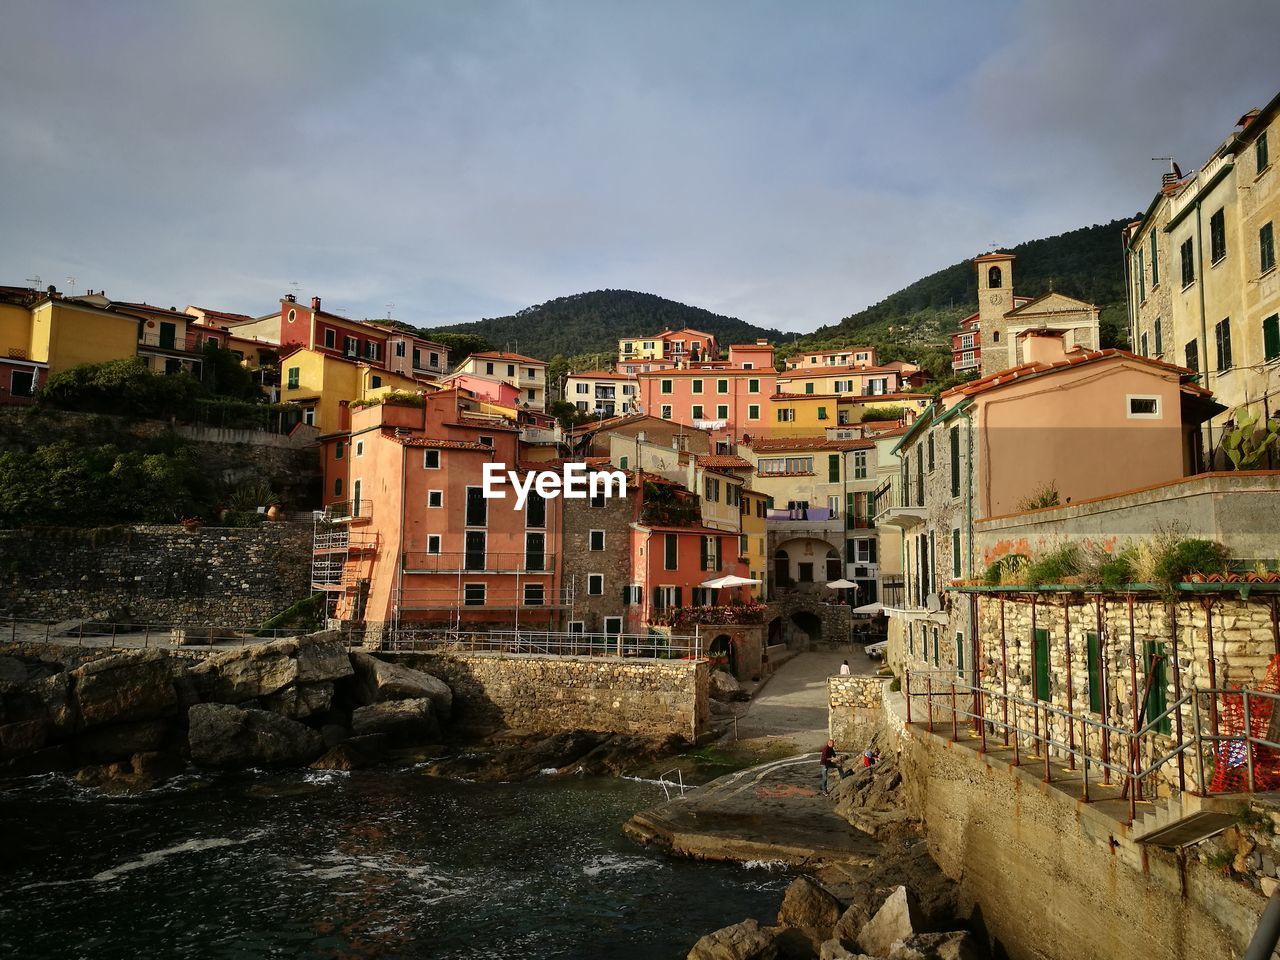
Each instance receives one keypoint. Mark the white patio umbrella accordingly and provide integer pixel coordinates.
(841, 584)
(732, 580)
(871, 608)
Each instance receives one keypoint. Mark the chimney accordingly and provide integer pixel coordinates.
(291, 298)
(1044, 346)
(315, 303)
(762, 342)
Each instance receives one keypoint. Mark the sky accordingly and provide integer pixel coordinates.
(786, 163)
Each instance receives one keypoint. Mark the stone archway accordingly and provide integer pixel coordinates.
(808, 624)
(722, 648)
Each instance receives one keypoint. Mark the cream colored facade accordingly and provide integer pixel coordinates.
(526, 374)
(602, 393)
(1204, 290)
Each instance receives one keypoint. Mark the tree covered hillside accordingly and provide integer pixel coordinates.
(588, 323)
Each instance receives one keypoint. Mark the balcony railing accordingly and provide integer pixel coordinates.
(653, 646)
(346, 510)
(179, 344)
(464, 602)
(479, 561)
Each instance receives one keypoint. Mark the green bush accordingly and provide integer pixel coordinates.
(121, 386)
(1007, 570)
(1055, 566)
(881, 414)
(1191, 556)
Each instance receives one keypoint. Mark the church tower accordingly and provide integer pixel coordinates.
(995, 299)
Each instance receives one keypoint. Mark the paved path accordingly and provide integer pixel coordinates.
(792, 706)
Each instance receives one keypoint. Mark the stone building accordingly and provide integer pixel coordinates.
(1203, 289)
(597, 562)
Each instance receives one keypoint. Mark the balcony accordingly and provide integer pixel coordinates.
(170, 343)
(346, 511)
(892, 509)
(480, 562)
(495, 596)
(330, 538)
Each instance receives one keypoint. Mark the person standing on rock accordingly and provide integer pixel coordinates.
(828, 760)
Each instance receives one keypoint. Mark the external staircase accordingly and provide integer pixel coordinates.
(1184, 819)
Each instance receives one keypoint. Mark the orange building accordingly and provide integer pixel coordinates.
(728, 403)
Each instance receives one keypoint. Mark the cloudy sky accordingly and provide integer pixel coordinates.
(787, 163)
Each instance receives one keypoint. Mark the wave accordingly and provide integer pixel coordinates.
(614, 863)
(153, 857)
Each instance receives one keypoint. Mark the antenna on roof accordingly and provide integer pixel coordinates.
(34, 281)
(294, 284)
(71, 285)
(390, 309)
(1174, 174)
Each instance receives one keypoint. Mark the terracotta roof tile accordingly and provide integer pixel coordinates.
(723, 460)
(1026, 371)
(499, 355)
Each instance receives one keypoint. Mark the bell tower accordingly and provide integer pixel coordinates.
(995, 299)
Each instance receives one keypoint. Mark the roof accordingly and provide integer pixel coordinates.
(994, 256)
(1027, 371)
(799, 372)
(723, 461)
(770, 444)
(500, 355)
(700, 530)
(222, 315)
(806, 396)
(601, 375)
(1019, 308)
(705, 372)
(433, 443)
(874, 398)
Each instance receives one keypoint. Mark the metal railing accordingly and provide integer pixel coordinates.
(148, 634)
(669, 785)
(348, 510)
(555, 643)
(188, 343)
(479, 561)
(1137, 757)
(495, 596)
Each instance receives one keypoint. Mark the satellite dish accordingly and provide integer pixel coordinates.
(933, 603)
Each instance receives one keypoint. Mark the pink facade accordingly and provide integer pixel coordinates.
(729, 403)
(669, 564)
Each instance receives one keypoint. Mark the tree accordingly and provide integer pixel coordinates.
(223, 374)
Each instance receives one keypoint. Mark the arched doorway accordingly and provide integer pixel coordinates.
(808, 624)
(775, 636)
(722, 654)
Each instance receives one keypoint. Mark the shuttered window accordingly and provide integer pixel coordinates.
(955, 461)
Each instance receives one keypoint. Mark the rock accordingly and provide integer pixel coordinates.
(851, 922)
(740, 941)
(354, 754)
(122, 740)
(22, 737)
(378, 681)
(136, 685)
(143, 771)
(405, 722)
(261, 669)
(724, 686)
(322, 656)
(809, 910)
(227, 737)
(300, 700)
(957, 945)
(897, 919)
(44, 697)
(333, 734)
(13, 672)
(1268, 885)
(835, 950)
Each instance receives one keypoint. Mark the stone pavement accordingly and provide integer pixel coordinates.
(792, 705)
(770, 813)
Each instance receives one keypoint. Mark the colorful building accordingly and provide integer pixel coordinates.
(526, 374)
(726, 403)
(602, 393)
(323, 384)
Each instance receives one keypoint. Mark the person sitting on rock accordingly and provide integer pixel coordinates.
(870, 757)
(844, 669)
(829, 760)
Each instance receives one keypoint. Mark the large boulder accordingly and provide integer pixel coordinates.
(142, 771)
(301, 700)
(121, 740)
(227, 737)
(13, 672)
(405, 722)
(834, 949)
(40, 697)
(22, 737)
(957, 945)
(897, 919)
(740, 941)
(810, 911)
(378, 681)
(353, 754)
(322, 657)
(135, 685)
(724, 686)
(261, 669)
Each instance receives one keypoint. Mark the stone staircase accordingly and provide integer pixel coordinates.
(1180, 820)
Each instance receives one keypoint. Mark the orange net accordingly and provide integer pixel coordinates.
(1231, 767)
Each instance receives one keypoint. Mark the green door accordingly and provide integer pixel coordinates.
(1158, 691)
(168, 334)
(1040, 663)
(1093, 652)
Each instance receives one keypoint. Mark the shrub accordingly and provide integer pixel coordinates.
(881, 414)
(1055, 566)
(1046, 496)
(1102, 568)
(120, 386)
(1007, 571)
(1191, 556)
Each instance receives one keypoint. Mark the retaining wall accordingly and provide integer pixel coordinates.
(853, 710)
(551, 694)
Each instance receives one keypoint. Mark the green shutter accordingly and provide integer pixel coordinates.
(959, 652)
(808, 387)
(833, 468)
(955, 461)
(1093, 653)
(955, 553)
(1040, 660)
(1271, 337)
(1158, 691)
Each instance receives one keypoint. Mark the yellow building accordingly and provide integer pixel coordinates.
(853, 410)
(526, 374)
(640, 348)
(602, 392)
(318, 382)
(753, 539)
(800, 414)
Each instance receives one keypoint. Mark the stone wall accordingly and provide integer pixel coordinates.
(835, 622)
(236, 577)
(613, 562)
(549, 694)
(853, 710)
(1048, 877)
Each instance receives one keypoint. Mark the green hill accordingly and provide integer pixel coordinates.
(591, 323)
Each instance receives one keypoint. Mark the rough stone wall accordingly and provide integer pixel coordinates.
(835, 621)
(747, 641)
(1051, 878)
(613, 562)
(552, 694)
(235, 577)
(853, 710)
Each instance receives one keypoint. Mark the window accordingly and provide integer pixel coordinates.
(697, 386)
(430, 459)
(1192, 356)
(666, 411)
(931, 446)
(359, 448)
(535, 510)
(339, 450)
(1155, 261)
(351, 346)
(833, 468)
(722, 386)
(1141, 276)
(955, 461)
(753, 411)
(753, 386)
(959, 652)
(433, 359)
(1266, 248)
(337, 487)
(295, 374)
(485, 441)
(613, 626)
(808, 387)
(955, 553)
(595, 585)
(330, 338)
(748, 366)
(994, 280)
(474, 550)
(1271, 338)
(781, 465)
(582, 388)
(711, 489)
(1040, 664)
(622, 463)
(666, 386)
(1187, 253)
(597, 501)
(1217, 236)
(822, 413)
(697, 411)
(488, 368)
(473, 594)
(399, 348)
(671, 551)
(597, 540)
(1222, 339)
(859, 464)
(533, 595)
(1093, 658)
(1147, 408)
(535, 546)
(1159, 338)
(477, 514)
(1142, 345)
(371, 349)
(435, 498)
(433, 543)
(1261, 155)
(786, 415)
(911, 639)
(511, 369)
(722, 411)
